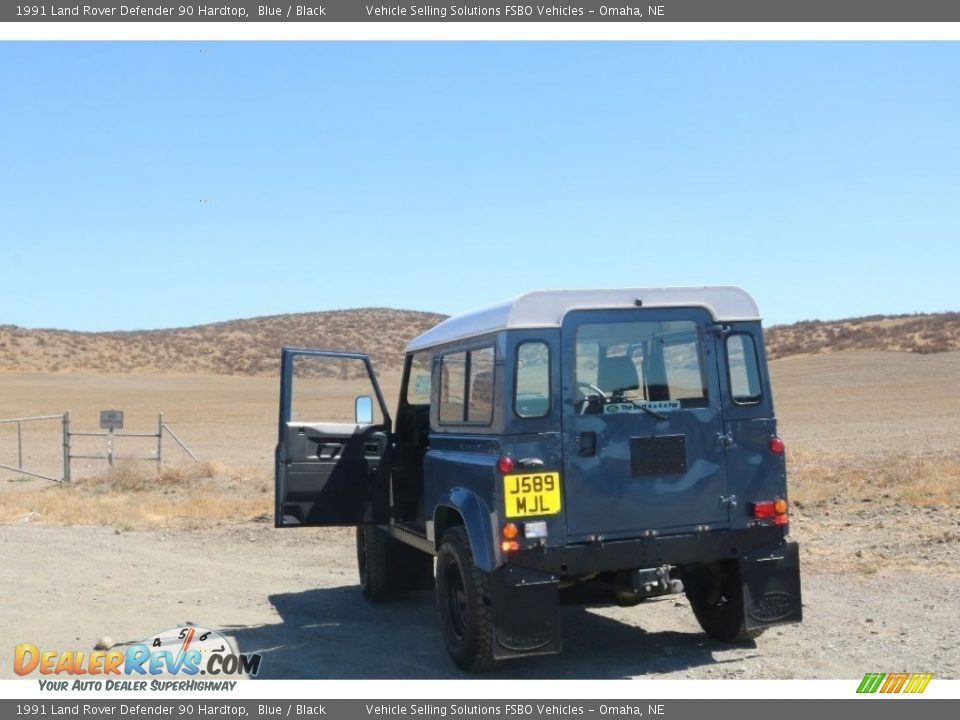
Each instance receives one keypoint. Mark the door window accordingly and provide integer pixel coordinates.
(325, 389)
(418, 382)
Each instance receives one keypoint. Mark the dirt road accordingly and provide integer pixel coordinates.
(292, 595)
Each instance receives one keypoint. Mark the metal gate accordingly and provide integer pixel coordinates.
(66, 445)
(108, 435)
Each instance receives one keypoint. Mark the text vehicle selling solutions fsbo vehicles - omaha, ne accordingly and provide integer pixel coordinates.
(620, 441)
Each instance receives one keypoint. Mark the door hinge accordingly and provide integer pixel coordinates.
(729, 502)
(725, 439)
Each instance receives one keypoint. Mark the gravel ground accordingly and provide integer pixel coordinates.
(879, 584)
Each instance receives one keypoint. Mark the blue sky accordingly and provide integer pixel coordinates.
(148, 185)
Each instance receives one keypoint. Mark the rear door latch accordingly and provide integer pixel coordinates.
(725, 439)
(729, 502)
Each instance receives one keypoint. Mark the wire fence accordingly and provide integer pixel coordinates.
(110, 435)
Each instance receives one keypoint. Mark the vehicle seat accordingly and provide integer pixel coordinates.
(617, 373)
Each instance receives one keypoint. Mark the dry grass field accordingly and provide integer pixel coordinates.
(880, 425)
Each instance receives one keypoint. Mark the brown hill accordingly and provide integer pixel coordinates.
(237, 347)
(931, 333)
(251, 347)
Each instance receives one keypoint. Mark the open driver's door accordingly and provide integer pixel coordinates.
(334, 434)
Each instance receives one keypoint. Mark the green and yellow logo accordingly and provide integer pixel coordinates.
(894, 682)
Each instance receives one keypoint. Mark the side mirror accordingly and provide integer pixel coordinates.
(363, 410)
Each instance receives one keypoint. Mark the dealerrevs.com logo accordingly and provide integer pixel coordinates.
(182, 652)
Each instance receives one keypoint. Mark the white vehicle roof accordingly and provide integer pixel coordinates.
(546, 308)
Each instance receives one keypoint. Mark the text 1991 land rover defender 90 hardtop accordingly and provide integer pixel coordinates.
(623, 439)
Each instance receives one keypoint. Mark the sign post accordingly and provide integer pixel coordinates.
(111, 420)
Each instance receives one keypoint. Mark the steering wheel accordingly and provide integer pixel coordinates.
(595, 392)
(594, 388)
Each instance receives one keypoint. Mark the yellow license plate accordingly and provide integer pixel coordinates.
(535, 493)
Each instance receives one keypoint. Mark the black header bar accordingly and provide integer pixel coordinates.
(486, 11)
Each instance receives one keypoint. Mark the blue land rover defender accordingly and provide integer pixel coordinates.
(623, 439)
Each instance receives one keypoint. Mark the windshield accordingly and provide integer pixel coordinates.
(625, 365)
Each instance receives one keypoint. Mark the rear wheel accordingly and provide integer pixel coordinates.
(466, 619)
(716, 597)
(388, 567)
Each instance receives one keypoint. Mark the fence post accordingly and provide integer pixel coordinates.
(160, 441)
(66, 446)
(19, 445)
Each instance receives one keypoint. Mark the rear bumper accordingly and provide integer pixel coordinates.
(524, 592)
(704, 547)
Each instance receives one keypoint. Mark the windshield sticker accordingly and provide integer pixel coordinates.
(639, 405)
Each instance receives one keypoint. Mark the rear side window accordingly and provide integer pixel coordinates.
(466, 387)
(480, 397)
(453, 377)
(744, 369)
(532, 393)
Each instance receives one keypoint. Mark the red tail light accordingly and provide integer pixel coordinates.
(763, 509)
(505, 464)
(775, 509)
(777, 445)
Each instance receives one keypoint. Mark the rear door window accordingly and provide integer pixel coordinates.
(632, 362)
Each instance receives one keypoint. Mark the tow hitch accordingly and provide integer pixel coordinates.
(634, 586)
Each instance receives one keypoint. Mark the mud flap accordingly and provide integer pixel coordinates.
(526, 612)
(771, 585)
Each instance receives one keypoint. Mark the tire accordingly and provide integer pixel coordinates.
(372, 563)
(466, 618)
(719, 609)
(388, 567)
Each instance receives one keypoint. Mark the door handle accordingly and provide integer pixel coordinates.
(588, 444)
(530, 462)
(725, 440)
(329, 451)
